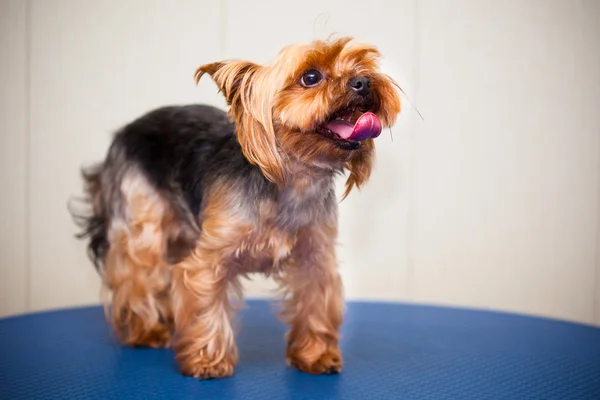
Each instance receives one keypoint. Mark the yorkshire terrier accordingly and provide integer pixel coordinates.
(190, 198)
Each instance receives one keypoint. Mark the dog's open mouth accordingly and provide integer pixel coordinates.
(349, 126)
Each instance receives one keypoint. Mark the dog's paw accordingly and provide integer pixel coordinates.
(157, 338)
(136, 334)
(197, 365)
(329, 362)
(204, 371)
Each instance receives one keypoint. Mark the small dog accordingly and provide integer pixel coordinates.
(189, 199)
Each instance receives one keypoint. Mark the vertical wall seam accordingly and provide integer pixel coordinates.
(596, 291)
(28, 204)
(411, 169)
(589, 31)
(223, 28)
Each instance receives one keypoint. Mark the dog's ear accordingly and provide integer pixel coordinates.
(360, 167)
(229, 76)
(250, 91)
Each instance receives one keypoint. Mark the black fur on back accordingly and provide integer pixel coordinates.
(181, 151)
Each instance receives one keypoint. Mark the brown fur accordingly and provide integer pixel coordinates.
(289, 235)
(304, 264)
(275, 119)
(137, 277)
(313, 303)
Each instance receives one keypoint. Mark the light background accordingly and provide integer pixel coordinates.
(493, 201)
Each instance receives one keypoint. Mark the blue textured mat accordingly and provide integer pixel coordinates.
(390, 352)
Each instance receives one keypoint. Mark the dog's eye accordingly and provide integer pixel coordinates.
(311, 77)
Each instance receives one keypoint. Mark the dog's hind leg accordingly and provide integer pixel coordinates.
(136, 275)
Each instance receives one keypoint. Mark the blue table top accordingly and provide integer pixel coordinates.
(391, 351)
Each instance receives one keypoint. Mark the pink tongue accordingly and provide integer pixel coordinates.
(367, 126)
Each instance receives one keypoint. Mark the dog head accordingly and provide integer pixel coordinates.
(320, 104)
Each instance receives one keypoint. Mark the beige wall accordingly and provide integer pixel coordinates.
(14, 119)
(492, 202)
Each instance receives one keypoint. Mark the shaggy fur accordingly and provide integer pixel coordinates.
(190, 198)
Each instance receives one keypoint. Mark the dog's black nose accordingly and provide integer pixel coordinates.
(361, 85)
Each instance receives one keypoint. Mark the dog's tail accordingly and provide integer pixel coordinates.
(93, 217)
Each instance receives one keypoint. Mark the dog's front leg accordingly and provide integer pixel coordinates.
(313, 306)
(204, 341)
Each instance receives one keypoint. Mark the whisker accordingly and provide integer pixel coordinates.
(391, 136)
(406, 96)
